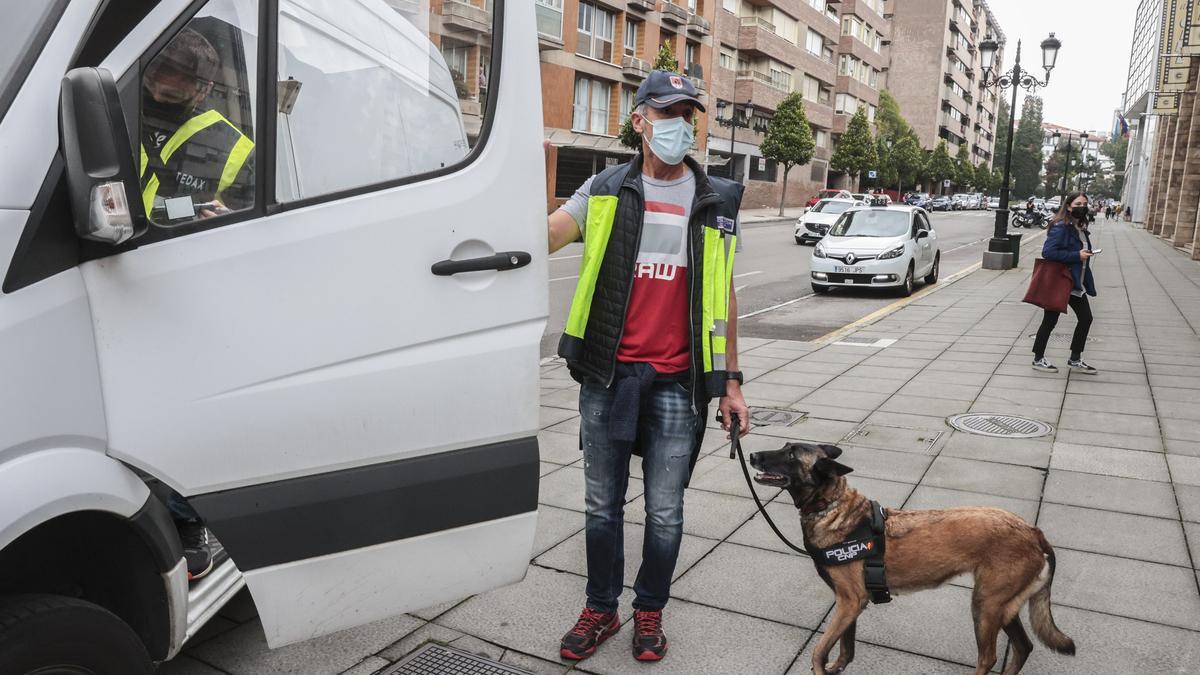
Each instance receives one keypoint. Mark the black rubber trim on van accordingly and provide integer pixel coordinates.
(301, 518)
(154, 525)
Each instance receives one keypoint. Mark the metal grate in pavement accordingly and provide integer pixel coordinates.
(434, 659)
(1061, 338)
(774, 417)
(1003, 426)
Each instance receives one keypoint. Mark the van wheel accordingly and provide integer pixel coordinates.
(54, 633)
(931, 278)
(906, 289)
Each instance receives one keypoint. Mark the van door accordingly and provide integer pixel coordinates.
(329, 339)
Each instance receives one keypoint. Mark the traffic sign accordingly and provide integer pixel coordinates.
(872, 173)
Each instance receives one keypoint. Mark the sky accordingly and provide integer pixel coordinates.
(1087, 83)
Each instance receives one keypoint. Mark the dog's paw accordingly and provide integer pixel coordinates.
(834, 668)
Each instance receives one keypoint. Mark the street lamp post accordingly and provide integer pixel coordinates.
(733, 122)
(999, 254)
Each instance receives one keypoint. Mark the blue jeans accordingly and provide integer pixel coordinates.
(666, 433)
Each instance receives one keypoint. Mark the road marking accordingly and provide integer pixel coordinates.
(880, 344)
(880, 313)
(738, 289)
(746, 274)
(573, 276)
(973, 243)
(775, 307)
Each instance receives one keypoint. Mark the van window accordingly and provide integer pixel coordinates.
(197, 117)
(372, 91)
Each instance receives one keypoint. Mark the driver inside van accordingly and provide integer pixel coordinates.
(194, 162)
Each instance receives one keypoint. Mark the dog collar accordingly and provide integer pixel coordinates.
(814, 507)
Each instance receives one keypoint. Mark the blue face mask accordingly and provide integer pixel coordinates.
(671, 140)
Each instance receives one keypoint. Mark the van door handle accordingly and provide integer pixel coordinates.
(506, 260)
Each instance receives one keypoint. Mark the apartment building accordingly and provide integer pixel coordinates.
(594, 55)
(1136, 103)
(936, 76)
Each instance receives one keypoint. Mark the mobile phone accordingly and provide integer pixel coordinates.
(1097, 251)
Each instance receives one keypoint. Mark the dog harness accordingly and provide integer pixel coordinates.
(865, 543)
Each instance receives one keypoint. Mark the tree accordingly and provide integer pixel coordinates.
(940, 166)
(789, 139)
(855, 151)
(964, 170)
(1116, 151)
(1027, 148)
(885, 163)
(907, 158)
(889, 122)
(1054, 169)
(983, 178)
(664, 61)
(1002, 135)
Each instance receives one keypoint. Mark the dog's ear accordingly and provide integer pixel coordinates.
(831, 451)
(828, 467)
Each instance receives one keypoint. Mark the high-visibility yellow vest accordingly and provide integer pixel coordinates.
(235, 158)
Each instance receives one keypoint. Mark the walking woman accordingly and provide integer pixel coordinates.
(1068, 242)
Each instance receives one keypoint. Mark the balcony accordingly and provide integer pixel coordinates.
(700, 84)
(674, 14)
(641, 5)
(819, 114)
(758, 36)
(463, 16)
(765, 91)
(635, 68)
(698, 25)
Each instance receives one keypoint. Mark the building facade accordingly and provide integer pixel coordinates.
(594, 55)
(935, 73)
(1143, 73)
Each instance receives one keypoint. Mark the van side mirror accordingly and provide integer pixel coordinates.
(103, 186)
(922, 234)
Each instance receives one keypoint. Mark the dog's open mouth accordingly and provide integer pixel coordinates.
(772, 479)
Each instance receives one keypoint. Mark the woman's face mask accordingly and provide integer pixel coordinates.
(1079, 212)
(671, 139)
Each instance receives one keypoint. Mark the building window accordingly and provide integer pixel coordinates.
(691, 52)
(627, 98)
(845, 103)
(821, 137)
(762, 168)
(730, 5)
(595, 26)
(549, 17)
(728, 58)
(812, 88)
(631, 37)
(814, 43)
(591, 106)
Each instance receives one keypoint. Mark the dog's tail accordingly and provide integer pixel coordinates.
(1039, 608)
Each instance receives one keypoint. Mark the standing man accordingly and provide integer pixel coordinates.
(652, 338)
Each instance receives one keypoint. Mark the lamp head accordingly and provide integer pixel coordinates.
(1050, 47)
(987, 52)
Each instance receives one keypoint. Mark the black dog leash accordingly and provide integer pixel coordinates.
(735, 431)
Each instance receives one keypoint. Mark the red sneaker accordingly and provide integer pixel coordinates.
(590, 630)
(649, 641)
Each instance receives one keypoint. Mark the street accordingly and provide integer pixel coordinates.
(775, 299)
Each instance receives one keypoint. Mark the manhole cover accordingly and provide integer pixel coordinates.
(1061, 338)
(435, 659)
(774, 417)
(1005, 426)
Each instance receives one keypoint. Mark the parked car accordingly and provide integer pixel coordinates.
(877, 247)
(261, 361)
(859, 196)
(942, 203)
(975, 202)
(960, 202)
(879, 199)
(993, 203)
(816, 221)
(1053, 203)
(828, 193)
(918, 199)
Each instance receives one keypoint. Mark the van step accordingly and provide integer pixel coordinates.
(208, 595)
(435, 659)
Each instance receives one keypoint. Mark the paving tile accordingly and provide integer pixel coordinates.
(1023, 451)
(548, 416)
(1175, 446)
(555, 525)
(988, 477)
(558, 448)
(1109, 461)
(937, 377)
(1111, 533)
(1032, 382)
(1178, 381)
(957, 392)
(367, 666)
(243, 650)
(533, 664)
(705, 514)
(1183, 410)
(867, 384)
(908, 420)
(811, 429)
(921, 405)
(815, 365)
(903, 467)
(869, 658)
(705, 641)
(432, 632)
(1024, 397)
(1184, 470)
(1192, 530)
(846, 399)
(832, 412)
(1130, 588)
(1181, 429)
(942, 365)
(1174, 395)
(782, 587)
(929, 497)
(897, 373)
(1112, 644)
(1110, 440)
(776, 392)
(1136, 425)
(1127, 495)
(1108, 404)
(1093, 387)
(566, 398)
(571, 555)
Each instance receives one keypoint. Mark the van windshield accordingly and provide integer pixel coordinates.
(22, 34)
(871, 223)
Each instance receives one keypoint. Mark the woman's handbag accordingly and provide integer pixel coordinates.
(1050, 286)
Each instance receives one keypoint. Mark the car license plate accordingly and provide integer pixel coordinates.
(845, 269)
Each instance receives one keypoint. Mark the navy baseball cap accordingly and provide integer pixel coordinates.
(661, 88)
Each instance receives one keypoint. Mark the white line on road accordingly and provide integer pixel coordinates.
(746, 274)
(774, 307)
(970, 243)
(573, 276)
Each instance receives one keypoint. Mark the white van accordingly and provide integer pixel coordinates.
(324, 334)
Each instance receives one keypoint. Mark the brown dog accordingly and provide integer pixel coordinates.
(1010, 559)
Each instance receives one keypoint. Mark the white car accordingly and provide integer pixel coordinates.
(877, 247)
(816, 221)
(993, 203)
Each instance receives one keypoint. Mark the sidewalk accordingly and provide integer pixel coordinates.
(1115, 486)
(769, 216)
